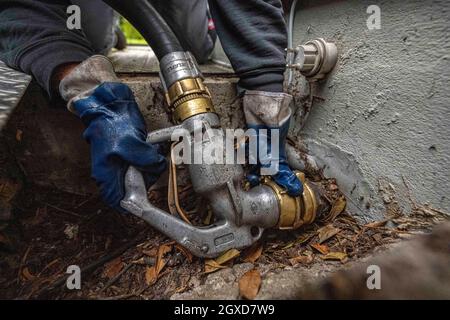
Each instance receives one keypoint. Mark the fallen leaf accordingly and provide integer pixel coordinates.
(19, 134)
(301, 260)
(322, 248)
(8, 189)
(327, 232)
(341, 256)
(152, 273)
(71, 231)
(113, 268)
(26, 274)
(337, 208)
(227, 256)
(377, 237)
(249, 284)
(376, 224)
(304, 238)
(162, 251)
(151, 253)
(253, 253)
(185, 252)
(208, 219)
(212, 265)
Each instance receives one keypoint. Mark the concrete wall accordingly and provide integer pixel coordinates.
(383, 115)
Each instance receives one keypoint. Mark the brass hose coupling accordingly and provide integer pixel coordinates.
(294, 211)
(183, 85)
(187, 98)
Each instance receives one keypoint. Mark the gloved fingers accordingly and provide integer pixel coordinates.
(253, 180)
(144, 156)
(110, 177)
(253, 176)
(289, 181)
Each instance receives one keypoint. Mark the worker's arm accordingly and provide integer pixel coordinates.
(254, 36)
(34, 38)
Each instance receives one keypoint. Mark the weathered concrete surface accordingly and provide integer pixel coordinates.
(386, 105)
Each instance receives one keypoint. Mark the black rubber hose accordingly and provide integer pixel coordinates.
(143, 16)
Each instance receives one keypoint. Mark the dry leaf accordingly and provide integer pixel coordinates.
(253, 253)
(341, 256)
(19, 134)
(162, 251)
(301, 260)
(212, 265)
(152, 273)
(327, 232)
(376, 224)
(377, 237)
(185, 252)
(304, 238)
(151, 253)
(26, 274)
(249, 284)
(113, 268)
(322, 248)
(337, 208)
(227, 256)
(208, 219)
(8, 189)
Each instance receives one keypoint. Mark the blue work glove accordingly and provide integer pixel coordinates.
(285, 177)
(267, 111)
(115, 130)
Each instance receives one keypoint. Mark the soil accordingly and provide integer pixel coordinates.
(52, 230)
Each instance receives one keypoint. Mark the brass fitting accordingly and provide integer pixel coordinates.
(187, 98)
(294, 211)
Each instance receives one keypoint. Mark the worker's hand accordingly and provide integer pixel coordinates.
(264, 113)
(115, 129)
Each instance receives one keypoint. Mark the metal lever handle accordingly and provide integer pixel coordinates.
(208, 241)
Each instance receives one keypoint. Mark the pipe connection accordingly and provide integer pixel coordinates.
(315, 59)
(186, 95)
(241, 215)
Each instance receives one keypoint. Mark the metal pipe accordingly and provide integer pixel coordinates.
(290, 49)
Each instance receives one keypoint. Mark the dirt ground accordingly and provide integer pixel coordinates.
(121, 257)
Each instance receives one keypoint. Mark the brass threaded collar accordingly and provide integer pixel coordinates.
(294, 211)
(187, 98)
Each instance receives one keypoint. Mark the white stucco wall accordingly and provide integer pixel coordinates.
(386, 105)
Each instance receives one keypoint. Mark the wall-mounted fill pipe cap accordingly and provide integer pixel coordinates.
(315, 58)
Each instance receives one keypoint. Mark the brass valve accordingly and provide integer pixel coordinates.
(294, 211)
(187, 98)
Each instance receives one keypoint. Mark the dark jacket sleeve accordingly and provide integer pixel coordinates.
(254, 37)
(34, 38)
